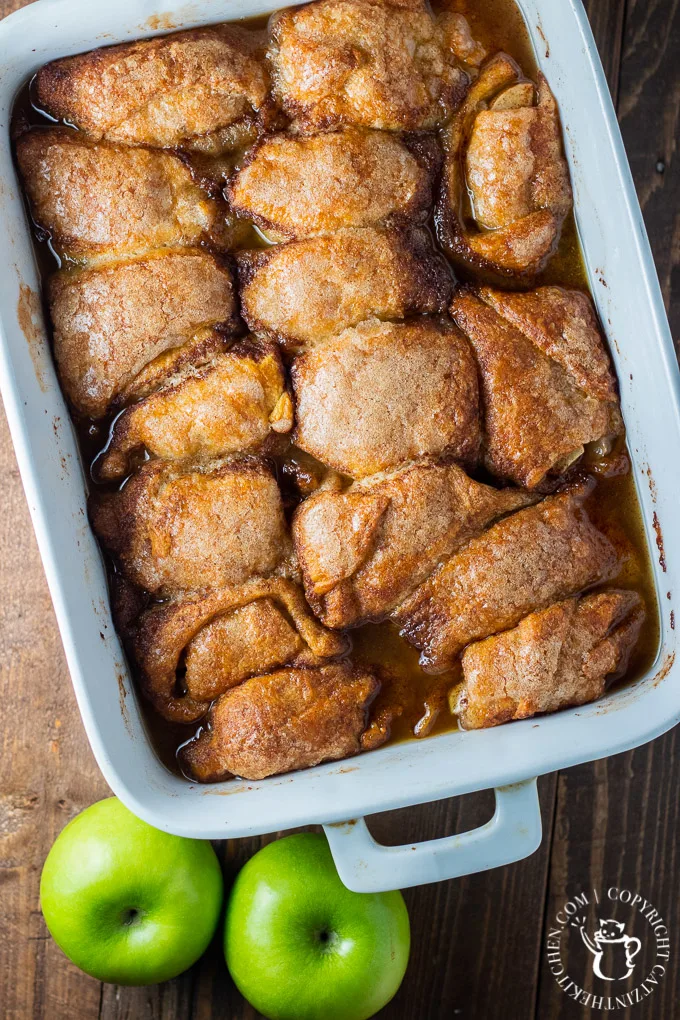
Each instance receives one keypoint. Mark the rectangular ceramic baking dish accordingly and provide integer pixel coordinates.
(626, 290)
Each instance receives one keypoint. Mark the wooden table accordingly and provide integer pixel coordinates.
(478, 943)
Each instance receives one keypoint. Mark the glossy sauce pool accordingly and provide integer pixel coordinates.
(612, 504)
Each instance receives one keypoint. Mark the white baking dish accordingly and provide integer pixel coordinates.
(627, 293)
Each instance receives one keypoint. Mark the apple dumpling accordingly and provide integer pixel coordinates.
(122, 327)
(304, 291)
(379, 63)
(195, 647)
(523, 563)
(193, 526)
(282, 721)
(381, 394)
(296, 186)
(564, 655)
(200, 89)
(505, 188)
(228, 401)
(546, 384)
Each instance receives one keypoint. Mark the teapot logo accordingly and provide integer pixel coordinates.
(608, 978)
(613, 951)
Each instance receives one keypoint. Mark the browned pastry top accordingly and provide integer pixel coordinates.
(180, 89)
(504, 159)
(176, 527)
(364, 549)
(382, 394)
(102, 200)
(110, 323)
(380, 64)
(523, 563)
(219, 638)
(303, 185)
(224, 401)
(301, 292)
(563, 655)
(283, 721)
(547, 387)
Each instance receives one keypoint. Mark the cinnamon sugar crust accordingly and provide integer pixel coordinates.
(186, 89)
(219, 638)
(546, 382)
(305, 185)
(230, 402)
(383, 394)
(364, 549)
(302, 292)
(564, 655)
(503, 151)
(369, 62)
(112, 322)
(290, 719)
(524, 563)
(189, 527)
(98, 200)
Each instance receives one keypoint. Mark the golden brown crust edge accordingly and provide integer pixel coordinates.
(283, 721)
(154, 67)
(564, 655)
(424, 283)
(159, 638)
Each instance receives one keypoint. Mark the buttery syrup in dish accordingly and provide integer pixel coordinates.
(612, 504)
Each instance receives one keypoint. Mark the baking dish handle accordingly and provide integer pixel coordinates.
(514, 832)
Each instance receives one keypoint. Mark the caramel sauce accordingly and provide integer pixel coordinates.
(612, 504)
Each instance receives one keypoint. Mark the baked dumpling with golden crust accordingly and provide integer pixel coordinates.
(230, 401)
(199, 89)
(302, 185)
(301, 292)
(503, 156)
(376, 63)
(290, 719)
(547, 387)
(564, 655)
(112, 323)
(209, 642)
(382, 394)
(523, 563)
(364, 549)
(96, 200)
(189, 527)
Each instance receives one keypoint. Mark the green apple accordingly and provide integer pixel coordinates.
(300, 946)
(127, 903)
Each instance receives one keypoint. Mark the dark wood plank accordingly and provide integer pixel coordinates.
(616, 825)
(607, 19)
(47, 774)
(649, 112)
(479, 936)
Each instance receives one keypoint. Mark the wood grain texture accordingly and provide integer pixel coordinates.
(616, 824)
(649, 113)
(476, 942)
(607, 21)
(47, 772)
